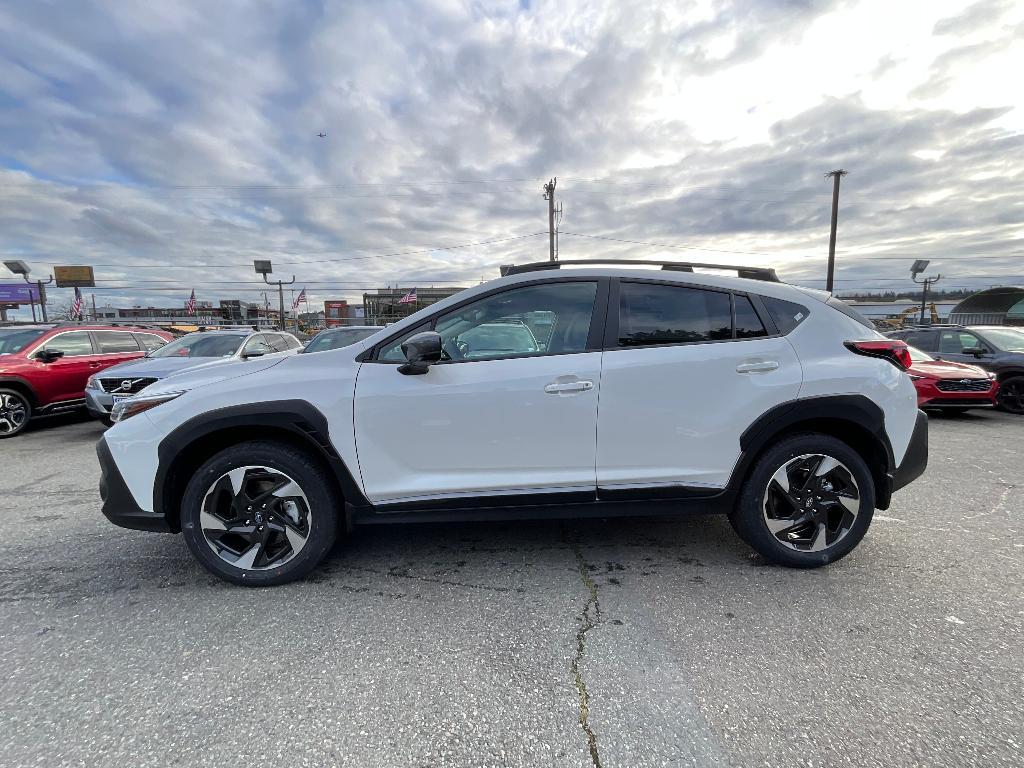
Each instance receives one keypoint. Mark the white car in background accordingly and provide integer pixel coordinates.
(194, 350)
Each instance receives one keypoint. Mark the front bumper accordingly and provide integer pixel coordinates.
(98, 403)
(930, 396)
(915, 460)
(119, 506)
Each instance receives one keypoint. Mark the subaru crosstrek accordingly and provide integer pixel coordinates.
(635, 391)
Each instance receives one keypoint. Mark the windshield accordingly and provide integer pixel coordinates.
(202, 345)
(16, 339)
(336, 339)
(494, 339)
(917, 356)
(1006, 339)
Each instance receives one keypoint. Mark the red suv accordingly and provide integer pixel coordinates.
(43, 368)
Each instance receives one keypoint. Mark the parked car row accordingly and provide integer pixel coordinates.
(967, 366)
(54, 368)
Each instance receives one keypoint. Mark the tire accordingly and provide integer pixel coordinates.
(15, 412)
(787, 527)
(293, 510)
(1010, 397)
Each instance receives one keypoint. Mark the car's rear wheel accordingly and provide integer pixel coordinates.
(1011, 394)
(259, 513)
(807, 502)
(15, 411)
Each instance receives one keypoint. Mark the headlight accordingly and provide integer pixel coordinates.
(915, 377)
(91, 383)
(136, 405)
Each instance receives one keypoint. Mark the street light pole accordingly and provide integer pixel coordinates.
(21, 268)
(918, 267)
(264, 267)
(42, 294)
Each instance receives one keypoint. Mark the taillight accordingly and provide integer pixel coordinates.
(893, 350)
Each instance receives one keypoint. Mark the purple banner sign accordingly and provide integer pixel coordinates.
(18, 293)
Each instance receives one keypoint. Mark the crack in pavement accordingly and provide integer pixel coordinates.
(589, 618)
(394, 573)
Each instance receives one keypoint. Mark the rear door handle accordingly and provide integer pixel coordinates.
(762, 367)
(559, 388)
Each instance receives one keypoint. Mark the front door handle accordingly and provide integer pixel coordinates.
(560, 388)
(762, 367)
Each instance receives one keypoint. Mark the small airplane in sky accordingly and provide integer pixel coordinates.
(322, 135)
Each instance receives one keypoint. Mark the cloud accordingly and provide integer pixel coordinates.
(178, 142)
(974, 16)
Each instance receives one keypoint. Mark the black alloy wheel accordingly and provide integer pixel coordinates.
(811, 502)
(15, 411)
(807, 502)
(1011, 395)
(255, 518)
(260, 513)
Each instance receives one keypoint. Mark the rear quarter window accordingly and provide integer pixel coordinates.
(786, 315)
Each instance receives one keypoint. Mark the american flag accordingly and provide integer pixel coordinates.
(300, 299)
(190, 305)
(409, 298)
(76, 308)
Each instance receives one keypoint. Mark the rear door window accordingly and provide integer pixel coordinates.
(114, 342)
(955, 342)
(278, 342)
(923, 340)
(149, 341)
(651, 313)
(748, 324)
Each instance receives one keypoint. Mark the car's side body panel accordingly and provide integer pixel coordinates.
(477, 427)
(672, 415)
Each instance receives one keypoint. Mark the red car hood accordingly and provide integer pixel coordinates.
(946, 369)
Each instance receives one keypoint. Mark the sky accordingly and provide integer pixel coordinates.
(170, 144)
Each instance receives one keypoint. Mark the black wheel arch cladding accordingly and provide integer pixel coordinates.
(855, 419)
(295, 421)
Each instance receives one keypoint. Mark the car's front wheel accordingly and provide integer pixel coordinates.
(259, 513)
(15, 411)
(807, 502)
(1011, 394)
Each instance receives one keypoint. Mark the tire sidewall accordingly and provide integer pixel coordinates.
(298, 466)
(28, 411)
(1016, 380)
(748, 517)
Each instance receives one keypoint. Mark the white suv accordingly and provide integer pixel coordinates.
(552, 391)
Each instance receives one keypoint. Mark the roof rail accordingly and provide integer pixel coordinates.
(751, 273)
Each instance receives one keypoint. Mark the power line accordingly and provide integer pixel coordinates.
(308, 261)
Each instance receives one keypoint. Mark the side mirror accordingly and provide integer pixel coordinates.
(420, 350)
(976, 351)
(254, 353)
(48, 355)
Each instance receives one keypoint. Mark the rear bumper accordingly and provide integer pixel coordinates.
(119, 506)
(915, 460)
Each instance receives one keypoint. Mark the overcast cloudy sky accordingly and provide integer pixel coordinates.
(170, 143)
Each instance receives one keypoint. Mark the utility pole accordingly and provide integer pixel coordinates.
(836, 176)
(549, 195)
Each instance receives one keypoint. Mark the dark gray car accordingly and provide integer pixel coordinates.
(996, 348)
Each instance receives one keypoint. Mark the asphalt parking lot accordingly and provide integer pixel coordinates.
(611, 643)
